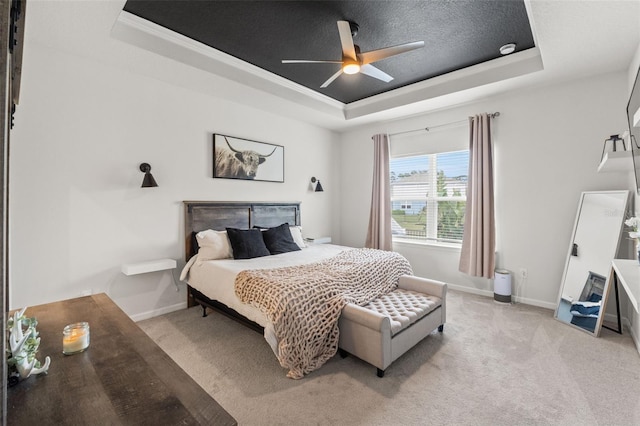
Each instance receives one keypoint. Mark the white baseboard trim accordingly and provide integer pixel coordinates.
(515, 299)
(538, 303)
(470, 290)
(159, 311)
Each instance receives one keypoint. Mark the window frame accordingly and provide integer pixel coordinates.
(431, 237)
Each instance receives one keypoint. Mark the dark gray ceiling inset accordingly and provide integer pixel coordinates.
(457, 34)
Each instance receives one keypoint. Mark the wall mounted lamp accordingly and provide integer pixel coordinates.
(614, 139)
(318, 186)
(148, 181)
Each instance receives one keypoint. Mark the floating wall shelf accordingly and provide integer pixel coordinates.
(616, 161)
(151, 266)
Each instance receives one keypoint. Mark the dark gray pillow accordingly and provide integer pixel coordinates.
(194, 242)
(279, 240)
(247, 243)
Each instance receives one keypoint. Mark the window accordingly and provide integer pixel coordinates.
(428, 195)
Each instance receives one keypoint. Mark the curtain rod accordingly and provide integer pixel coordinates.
(426, 129)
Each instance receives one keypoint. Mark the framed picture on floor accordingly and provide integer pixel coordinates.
(237, 158)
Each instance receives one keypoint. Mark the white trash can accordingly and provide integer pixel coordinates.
(502, 286)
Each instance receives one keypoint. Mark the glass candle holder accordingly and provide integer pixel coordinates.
(75, 338)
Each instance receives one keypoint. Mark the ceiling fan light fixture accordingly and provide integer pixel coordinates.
(351, 68)
(354, 61)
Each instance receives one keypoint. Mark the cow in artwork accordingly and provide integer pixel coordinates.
(236, 164)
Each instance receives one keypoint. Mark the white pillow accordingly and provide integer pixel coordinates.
(296, 233)
(213, 245)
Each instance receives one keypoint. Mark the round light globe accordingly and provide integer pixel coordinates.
(351, 69)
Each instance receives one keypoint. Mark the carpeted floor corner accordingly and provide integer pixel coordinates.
(495, 364)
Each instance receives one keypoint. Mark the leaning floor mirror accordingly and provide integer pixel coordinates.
(594, 244)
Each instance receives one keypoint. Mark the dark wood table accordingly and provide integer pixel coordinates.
(122, 378)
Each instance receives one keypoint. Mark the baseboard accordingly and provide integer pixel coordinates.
(470, 290)
(515, 299)
(534, 302)
(159, 311)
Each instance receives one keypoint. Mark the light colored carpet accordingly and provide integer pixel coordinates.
(495, 364)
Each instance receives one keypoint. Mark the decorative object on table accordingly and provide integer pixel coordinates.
(317, 187)
(237, 158)
(634, 234)
(75, 338)
(23, 345)
(148, 181)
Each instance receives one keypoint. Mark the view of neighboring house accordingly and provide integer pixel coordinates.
(416, 199)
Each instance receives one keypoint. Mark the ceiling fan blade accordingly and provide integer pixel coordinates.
(374, 72)
(333, 77)
(348, 49)
(305, 61)
(377, 55)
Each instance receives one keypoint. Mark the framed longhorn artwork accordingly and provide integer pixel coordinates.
(237, 158)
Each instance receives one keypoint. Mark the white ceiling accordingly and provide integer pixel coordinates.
(575, 39)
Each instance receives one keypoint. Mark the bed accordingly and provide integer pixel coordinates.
(203, 215)
(244, 289)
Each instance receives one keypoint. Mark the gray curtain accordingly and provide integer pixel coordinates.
(477, 257)
(379, 232)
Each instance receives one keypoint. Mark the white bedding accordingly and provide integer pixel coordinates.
(216, 278)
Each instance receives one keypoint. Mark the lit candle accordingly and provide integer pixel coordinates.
(75, 338)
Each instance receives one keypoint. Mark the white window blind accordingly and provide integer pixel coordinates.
(428, 189)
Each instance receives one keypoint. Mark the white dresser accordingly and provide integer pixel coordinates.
(627, 272)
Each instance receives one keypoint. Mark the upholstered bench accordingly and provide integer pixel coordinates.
(382, 331)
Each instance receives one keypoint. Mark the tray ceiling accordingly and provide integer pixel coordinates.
(457, 35)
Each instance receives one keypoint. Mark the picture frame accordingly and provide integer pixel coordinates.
(245, 159)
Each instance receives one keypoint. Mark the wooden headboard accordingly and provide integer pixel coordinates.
(218, 215)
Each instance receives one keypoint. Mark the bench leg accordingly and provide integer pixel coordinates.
(380, 373)
(441, 328)
(204, 311)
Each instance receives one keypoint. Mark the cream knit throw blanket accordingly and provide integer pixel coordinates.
(304, 302)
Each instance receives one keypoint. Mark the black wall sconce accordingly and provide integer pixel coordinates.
(614, 139)
(148, 181)
(318, 185)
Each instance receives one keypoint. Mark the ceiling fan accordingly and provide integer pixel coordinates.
(353, 61)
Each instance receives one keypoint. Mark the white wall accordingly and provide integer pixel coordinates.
(77, 212)
(547, 145)
(85, 123)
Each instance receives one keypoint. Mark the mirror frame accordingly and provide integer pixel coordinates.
(633, 108)
(607, 275)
